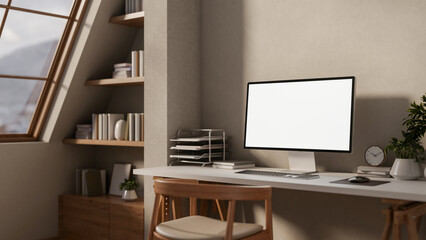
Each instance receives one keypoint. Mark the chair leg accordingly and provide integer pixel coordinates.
(230, 220)
(192, 206)
(155, 217)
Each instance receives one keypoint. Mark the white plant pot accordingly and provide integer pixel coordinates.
(129, 195)
(406, 169)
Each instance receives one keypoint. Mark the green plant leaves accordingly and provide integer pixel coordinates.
(410, 146)
(129, 184)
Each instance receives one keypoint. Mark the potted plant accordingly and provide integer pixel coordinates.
(409, 150)
(129, 186)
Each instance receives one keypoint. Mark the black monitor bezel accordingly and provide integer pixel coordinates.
(304, 80)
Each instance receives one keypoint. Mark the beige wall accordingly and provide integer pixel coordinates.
(380, 42)
(172, 80)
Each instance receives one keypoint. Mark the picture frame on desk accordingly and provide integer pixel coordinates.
(120, 172)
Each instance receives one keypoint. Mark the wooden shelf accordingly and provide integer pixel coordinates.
(116, 82)
(132, 19)
(104, 142)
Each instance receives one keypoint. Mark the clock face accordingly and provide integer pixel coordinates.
(374, 156)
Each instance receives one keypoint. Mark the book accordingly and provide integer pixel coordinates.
(141, 62)
(100, 125)
(234, 166)
(126, 134)
(112, 120)
(375, 169)
(131, 127)
(122, 74)
(135, 63)
(81, 181)
(122, 69)
(138, 6)
(104, 126)
(233, 163)
(84, 131)
(78, 181)
(120, 172)
(137, 127)
(93, 182)
(94, 126)
(122, 65)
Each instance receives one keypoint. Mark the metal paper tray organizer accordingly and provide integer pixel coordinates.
(198, 146)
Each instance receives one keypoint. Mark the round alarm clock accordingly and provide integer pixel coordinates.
(374, 156)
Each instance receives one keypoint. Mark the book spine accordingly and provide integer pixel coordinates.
(126, 134)
(141, 4)
(137, 127)
(110, 127)
(137, 5)
(83, 182)
(103, 181)
(104, 126)
(78, 181)
(131, 127)
(99, 128)
(126, 6)
(94, 126)
(141, 68)
(135, 63)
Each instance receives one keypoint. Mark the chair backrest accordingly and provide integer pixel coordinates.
(194, 191)
(211, 191)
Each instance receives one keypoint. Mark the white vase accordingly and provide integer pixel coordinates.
(406, 169)
(120, 129)
(129, 195)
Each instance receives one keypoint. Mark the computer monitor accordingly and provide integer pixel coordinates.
(302, 116)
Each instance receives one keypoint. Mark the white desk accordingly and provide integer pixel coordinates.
(395, 189)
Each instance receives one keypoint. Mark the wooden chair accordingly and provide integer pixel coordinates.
(205, 228)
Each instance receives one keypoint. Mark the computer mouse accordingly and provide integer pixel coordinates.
(358, 179)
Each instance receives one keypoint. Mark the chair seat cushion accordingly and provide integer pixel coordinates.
(204, 228)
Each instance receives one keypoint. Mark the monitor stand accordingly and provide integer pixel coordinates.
(301, 162)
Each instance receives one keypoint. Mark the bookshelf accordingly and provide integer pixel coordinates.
(116, 82)
(120, 219)
(132, 19)
(115, 143)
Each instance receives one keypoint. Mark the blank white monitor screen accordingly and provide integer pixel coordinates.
(301, 115)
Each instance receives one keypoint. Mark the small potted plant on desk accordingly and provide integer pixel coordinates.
(129, 186)
(409, 150)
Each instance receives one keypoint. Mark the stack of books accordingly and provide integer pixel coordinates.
(122, 70)
(374, 171)
(103, 125)
(233, 164)
(84, 131)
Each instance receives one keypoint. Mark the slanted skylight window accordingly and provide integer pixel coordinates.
(35, 41)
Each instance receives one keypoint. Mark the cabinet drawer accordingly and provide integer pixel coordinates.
(84, 218)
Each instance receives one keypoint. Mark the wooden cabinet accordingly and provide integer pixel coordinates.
(104, 217)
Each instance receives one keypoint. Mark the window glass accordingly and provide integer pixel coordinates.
(3, 2)
(62, 7)
(18, 100)
(1, 13)
(28, 43)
